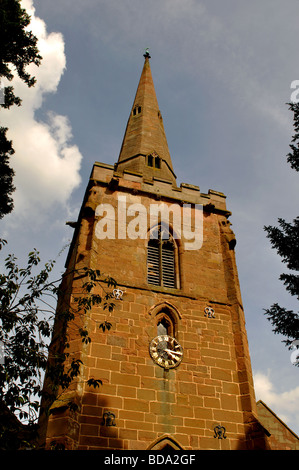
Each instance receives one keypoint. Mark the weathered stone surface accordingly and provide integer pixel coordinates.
(282, 437)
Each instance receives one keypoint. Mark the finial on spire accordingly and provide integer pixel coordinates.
(147, 54)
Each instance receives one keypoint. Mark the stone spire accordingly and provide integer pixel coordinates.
(144, 148)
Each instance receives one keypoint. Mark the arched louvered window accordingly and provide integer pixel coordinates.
(161, 259)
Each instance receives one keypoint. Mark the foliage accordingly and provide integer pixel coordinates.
(285, 239)
(18, 47)
(28, 320)
(6, 174)
(293, 156)
(18, 50)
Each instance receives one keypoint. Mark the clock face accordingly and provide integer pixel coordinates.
(166, 351)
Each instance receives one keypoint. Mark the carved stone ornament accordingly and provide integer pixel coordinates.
(118, 294)
(209, 312)
(108, 419)
(219, 432)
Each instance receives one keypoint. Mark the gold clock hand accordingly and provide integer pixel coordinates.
(173, 353)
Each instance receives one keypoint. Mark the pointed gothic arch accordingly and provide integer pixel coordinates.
(167, 306)
(166, 315)
(165, 443)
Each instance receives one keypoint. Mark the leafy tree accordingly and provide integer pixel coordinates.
(27, 322)
(285, 239)
(18, 50)
(6, 174)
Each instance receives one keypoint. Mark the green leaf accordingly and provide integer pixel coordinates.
(94, 382)
(105, 326)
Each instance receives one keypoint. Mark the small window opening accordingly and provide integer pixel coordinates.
(154, 161)
(136, 110)
(163, 327)
(165, 324)
(157, 162)
(150, 160)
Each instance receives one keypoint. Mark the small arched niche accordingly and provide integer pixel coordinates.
(166, 319)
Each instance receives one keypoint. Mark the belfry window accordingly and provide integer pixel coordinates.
(154, 161)
(161, 259)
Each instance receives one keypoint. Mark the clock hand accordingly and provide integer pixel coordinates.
(173, 353)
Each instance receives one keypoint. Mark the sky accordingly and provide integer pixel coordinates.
(223, 72)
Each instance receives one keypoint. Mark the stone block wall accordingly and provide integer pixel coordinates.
(140, 405)
(281, 436)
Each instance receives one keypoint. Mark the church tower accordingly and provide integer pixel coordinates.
(175, 365)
